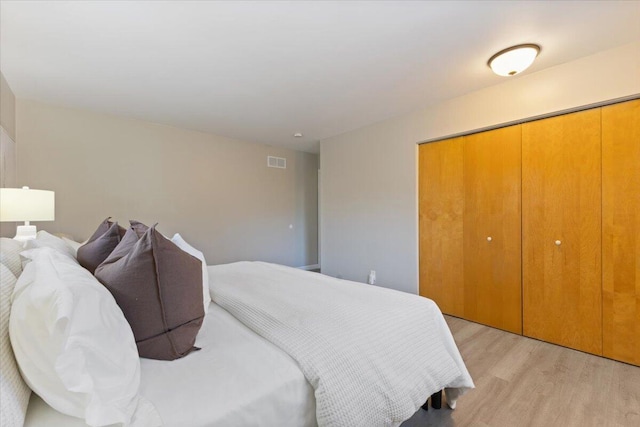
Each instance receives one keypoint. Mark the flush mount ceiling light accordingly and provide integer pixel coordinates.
(297, 135)
(514, 59)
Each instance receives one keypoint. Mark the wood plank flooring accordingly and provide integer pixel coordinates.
(524, 382)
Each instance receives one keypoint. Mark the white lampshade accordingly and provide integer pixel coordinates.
(514, 60)
(24, 204)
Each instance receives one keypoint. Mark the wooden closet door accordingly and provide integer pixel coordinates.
(561, 225)
(492, 237)
(441, 200)
(621, 231)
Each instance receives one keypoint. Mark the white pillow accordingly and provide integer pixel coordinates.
(46, 240)
(14, 392)
(182, 244)
(73, 245)
(72, 342)
(10, 254)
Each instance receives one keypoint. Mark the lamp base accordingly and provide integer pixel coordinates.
(25, 232)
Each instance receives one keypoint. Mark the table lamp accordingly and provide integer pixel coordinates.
(24, 204)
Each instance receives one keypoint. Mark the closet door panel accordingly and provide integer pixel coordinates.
(561, 225)
(621, 231)
(441, 200)
(492, 235)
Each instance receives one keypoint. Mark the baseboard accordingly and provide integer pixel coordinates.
(310, 267)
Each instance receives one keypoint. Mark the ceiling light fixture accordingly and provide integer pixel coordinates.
(513, 60)
(297, 135)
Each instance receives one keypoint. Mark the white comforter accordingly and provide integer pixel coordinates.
(237, 379)
(372, 355)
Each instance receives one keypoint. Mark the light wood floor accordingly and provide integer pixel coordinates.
(524, 382)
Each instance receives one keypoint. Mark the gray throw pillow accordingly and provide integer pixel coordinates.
(103, 241)
(158, 286)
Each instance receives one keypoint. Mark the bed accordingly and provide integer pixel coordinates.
(262, 385)
(286, 347)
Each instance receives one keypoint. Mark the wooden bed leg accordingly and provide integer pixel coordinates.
(426, 405)
(436, 400)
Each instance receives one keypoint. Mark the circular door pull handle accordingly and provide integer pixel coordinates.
(558, 242)
(489, 239)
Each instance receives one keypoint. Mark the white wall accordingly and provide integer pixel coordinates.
(369, 176)
(7, 108)
(217, 192)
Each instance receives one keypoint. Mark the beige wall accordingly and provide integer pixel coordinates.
(369, 176)
(7, 108)
(217, 192)
(7, 149)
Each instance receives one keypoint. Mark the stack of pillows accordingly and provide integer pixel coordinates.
(77, 333)
(159, 284)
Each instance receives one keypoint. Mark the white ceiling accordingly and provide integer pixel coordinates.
(260, 71)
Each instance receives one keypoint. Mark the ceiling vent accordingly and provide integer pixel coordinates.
(276, 162)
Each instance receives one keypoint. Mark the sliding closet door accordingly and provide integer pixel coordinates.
(621, 231)
(492, 237)
(561, 230)
(441, 200)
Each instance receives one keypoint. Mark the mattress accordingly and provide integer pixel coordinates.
(236, 379)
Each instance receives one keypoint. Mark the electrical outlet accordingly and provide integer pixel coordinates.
(372, 277)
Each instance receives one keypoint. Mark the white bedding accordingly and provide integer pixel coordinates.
(373, 355)
(238, 379)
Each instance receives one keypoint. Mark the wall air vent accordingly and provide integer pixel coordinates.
(276, 162)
